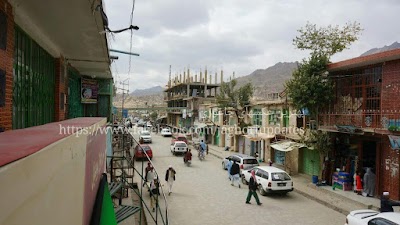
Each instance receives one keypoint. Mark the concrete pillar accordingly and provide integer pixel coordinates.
(201, 77)
(188, 90)
(216, 80)
(222, 76)
(267, 150)
(184, 77)
(222, 137)
(210, 79)
(180, 78)
(205, 76)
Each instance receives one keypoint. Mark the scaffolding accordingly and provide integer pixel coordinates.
(125, 176)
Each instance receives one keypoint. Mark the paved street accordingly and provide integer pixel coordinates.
(202, 194)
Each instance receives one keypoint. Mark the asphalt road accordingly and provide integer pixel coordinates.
(202, 195)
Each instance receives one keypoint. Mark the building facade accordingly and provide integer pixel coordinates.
(364, 116)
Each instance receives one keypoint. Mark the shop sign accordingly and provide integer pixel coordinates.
(89, 90)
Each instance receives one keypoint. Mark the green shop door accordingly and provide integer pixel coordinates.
(309, 161)
(75, 107)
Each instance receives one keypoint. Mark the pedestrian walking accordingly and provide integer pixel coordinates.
(253, 189)
(170, 178)
(154, 193)
(229, 166)
(235, 171)
(150, 174)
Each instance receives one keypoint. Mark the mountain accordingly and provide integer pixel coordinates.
(148, 91)
(395, 45)
(269, 80)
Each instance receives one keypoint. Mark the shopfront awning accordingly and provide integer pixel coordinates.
(286, 146)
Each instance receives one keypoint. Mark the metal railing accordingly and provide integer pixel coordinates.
(366, 119)
(127, 170)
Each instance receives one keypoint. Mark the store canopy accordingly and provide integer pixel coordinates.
(348, 129)
(286, 146)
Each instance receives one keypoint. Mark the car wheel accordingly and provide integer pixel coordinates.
(223, 166)
(261, 189)
(244, 180)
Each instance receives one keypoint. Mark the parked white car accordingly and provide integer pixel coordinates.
(166, 132)
(270, 179)
(245, 161)
(146, 136)
(371, 217)
(178, 147)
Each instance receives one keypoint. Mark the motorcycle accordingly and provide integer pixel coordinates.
(187, 160)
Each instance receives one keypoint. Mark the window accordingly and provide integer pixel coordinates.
(274, 117)
(280, 176)
(380, 221)
(216, 116)
(257, 117)
(180, 145)
(250, 161)
(263, 174)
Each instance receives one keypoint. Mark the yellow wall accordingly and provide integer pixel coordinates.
(46, 187)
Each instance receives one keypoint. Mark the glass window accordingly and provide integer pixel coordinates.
(281, 176)
(250, 161)
(180, 145)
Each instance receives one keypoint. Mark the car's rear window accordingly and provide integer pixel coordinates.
(145, 133)
(181, 145)
(165, 130)
(250, 161)
(280, 176)
(146, 148)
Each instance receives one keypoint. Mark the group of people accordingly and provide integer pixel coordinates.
(366, 185)
(234, 176)
(152, 181)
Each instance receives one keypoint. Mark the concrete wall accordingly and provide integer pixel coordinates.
(55, 184)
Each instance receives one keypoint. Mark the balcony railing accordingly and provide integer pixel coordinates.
(373, 119)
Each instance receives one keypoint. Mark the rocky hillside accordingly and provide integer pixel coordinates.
(148, 91)
(395, 45)
(269, 80)
(139, 101)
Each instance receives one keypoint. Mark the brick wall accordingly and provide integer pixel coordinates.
(61, 89)
(6, 64)
(391, 85)
(390, 169)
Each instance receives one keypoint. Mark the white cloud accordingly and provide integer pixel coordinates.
(235, 35)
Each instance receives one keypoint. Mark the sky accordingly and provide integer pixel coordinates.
(232, 35)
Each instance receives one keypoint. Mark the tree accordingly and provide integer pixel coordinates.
(153, 116)
(310, 87)
(235, 99)
(327, 41)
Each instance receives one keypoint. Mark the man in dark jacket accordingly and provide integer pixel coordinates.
(387, 204)
(253, 189)
(170, 178)
(235, 172)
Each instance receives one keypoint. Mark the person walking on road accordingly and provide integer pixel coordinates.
(170, 178)
(253, 189)
(229, 166)
(235, 171)
(154, 193)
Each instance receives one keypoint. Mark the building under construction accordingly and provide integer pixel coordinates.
(185, 94)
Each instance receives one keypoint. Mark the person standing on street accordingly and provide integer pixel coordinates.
(235, 171)
(170, 178)
(253, 189)
(229, 166)
(150, 174)
(154, 193)
(387, 204)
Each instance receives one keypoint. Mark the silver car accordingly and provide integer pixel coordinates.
(245, 161)
(146, 136)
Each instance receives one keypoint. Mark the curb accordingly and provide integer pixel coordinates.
(322, 202)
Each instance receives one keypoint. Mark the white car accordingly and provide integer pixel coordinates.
(166, 132)
(371, 217)
(178, 147)
(245, 161)
(270, 179)
(149, 124)
(146, 136)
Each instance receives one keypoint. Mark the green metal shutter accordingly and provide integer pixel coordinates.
(310, 161)
(33, 84)
(75, 107)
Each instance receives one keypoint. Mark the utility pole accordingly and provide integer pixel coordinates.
(123, 83)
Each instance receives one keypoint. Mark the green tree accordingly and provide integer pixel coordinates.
(235, 99)
(310, 87)
(153, 116)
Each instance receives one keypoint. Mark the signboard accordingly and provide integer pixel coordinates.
(89, 90)
(394, 142)
(125, 113)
